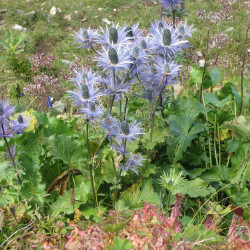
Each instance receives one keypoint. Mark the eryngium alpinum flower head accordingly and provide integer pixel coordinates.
(170, 4)
(114, 58)
(86, 37)
(6, 110)
(126, 131)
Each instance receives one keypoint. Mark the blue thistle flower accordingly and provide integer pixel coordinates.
(120, 149)
(167, 71)
(5, 129)
(126, 131)
(91, 111)
(132, 32)
(20, 123)
(184, 30)
(134, 162)
(114, 88)
(139, 57)
(108, 123)
(145, 43)
(166, 42)
(6, 110)
(162, 24)
(114, 58)
(86, 37)
(86, 90)
(84, 76)
(170, 4)
(113, 37)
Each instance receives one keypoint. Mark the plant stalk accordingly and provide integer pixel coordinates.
(90, 165)
(11, 155)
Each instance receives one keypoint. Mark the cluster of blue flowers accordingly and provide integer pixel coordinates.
(127, 55)
(15, 125)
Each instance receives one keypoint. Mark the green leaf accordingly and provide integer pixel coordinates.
(182, 132)
(63, 203)
(196, 74)
(139, 193)
(41, 117)
(30, 145)
(194, 188)
(109, 171)
(114, 228)
(232, 145)
(240, 165)
(7, 172)
(5, 45)
(212, 99)
(121, 244)
(240, 126)
(65, 148)
(215, 75)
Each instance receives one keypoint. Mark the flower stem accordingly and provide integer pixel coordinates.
(11, 155)
(90, 165)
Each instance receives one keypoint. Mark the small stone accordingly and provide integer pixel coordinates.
(59, 10)
(76, 12)
(19, 12)
(3, 11)
(230, 29)
(53, 11)
(105, 20)
(84, 19)
(18, 27)
(59, 106)
(199, 54)
(30, 15)
(68, 17)
(201, 63)
(66, 61)
(114, 10)
(100, 9)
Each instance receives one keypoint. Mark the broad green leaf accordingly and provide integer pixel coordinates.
(63, 203)
(139, 193)
(121, 244)
(240, 164)
(65, 148)
(109, 171)
(240, 126)
(215, 75)
(196, 74)
(41, 117)
(194, 188)
(210, 98)
(114, 228)
(30, 145)
(181, 133)
(232, 145)
(7, 172)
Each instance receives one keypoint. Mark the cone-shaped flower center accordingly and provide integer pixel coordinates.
(85, 91)
(182, 29)
(85, 34)
(107, 121)
(113, 57)
(129, 32)
(113, 35)
(20, 119)
(166, 37)
(92, 107)
(135, 51)
(125, 128)
(1, 109)
(144, 44)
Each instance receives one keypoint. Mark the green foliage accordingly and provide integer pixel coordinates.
(139, 193)
(121, 244)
